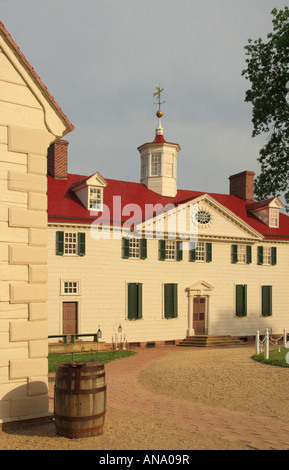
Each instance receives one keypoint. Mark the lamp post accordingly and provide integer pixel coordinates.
(99, 333)
(119, 329)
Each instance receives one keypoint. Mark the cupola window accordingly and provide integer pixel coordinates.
(156, 164)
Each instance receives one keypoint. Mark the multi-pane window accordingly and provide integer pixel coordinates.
(134, 247)
(169, 165)
(170, 249)
(70, 243)
(273, 217)
(144, 169)
(155, 164)
(241, 254)
(70, 287)
(201, 252)
(95, 198)
(267, 255)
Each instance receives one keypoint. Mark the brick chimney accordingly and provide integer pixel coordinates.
(57, 159)
(242, 185)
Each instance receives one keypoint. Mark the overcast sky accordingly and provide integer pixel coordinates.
(103, 59)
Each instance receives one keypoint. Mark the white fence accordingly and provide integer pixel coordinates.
(267, 340)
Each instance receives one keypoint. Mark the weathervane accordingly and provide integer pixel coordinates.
(157, 95)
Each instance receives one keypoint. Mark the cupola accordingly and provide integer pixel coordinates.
(159, 163)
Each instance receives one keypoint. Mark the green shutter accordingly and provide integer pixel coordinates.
(234, 253)
(245, 300)
(134, 301)
(208, 252)
(266, 301)
(249, 254)
(193, 246)
(81, 243)
(125, 248)
(273, 255)
(175, 294)
(241, 300)
(168, 301)
(143, 248)
(171, 300)
(59, 243)
(139, 301)
(162, 250)
(179, 251)
(260, 255)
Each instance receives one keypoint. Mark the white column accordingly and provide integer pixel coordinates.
(191, 331)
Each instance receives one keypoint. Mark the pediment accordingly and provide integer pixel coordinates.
(200, 287)
(202, 217)
(94, 180)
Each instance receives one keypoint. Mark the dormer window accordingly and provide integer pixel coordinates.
(273, 217)
(90, 191)
(267, 211)
(95, 198)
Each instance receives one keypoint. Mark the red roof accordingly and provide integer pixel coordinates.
(64, 205)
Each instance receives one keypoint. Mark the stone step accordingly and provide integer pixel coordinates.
(210, 341)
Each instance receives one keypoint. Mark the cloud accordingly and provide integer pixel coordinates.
(102, 60)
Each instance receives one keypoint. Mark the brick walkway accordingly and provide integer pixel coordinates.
(124, 393)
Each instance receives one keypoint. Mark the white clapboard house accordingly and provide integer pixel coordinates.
(162, 262)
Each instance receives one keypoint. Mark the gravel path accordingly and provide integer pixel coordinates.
(181, 399)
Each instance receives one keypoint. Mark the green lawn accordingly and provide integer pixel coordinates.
(276, 358)
(105, 357)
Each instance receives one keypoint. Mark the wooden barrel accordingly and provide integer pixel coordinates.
(80, 399)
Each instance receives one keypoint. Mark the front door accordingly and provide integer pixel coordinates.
(199, 314)
(70, 318)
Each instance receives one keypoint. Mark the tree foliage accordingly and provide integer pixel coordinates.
(268, 72)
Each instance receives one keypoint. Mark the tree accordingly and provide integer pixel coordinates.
(268, 72)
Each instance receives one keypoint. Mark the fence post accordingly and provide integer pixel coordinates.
(285, 338)
(257, 342)
(267, 344)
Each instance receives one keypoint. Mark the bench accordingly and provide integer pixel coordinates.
(75, 336)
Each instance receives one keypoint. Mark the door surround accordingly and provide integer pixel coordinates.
(199, 289)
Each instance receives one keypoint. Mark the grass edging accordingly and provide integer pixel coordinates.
(103, 356)
(276, 358)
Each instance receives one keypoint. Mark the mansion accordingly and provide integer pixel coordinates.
(162, 262)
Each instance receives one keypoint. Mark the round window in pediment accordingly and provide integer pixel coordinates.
(203, 217)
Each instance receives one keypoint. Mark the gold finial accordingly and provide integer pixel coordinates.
(157, 95)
